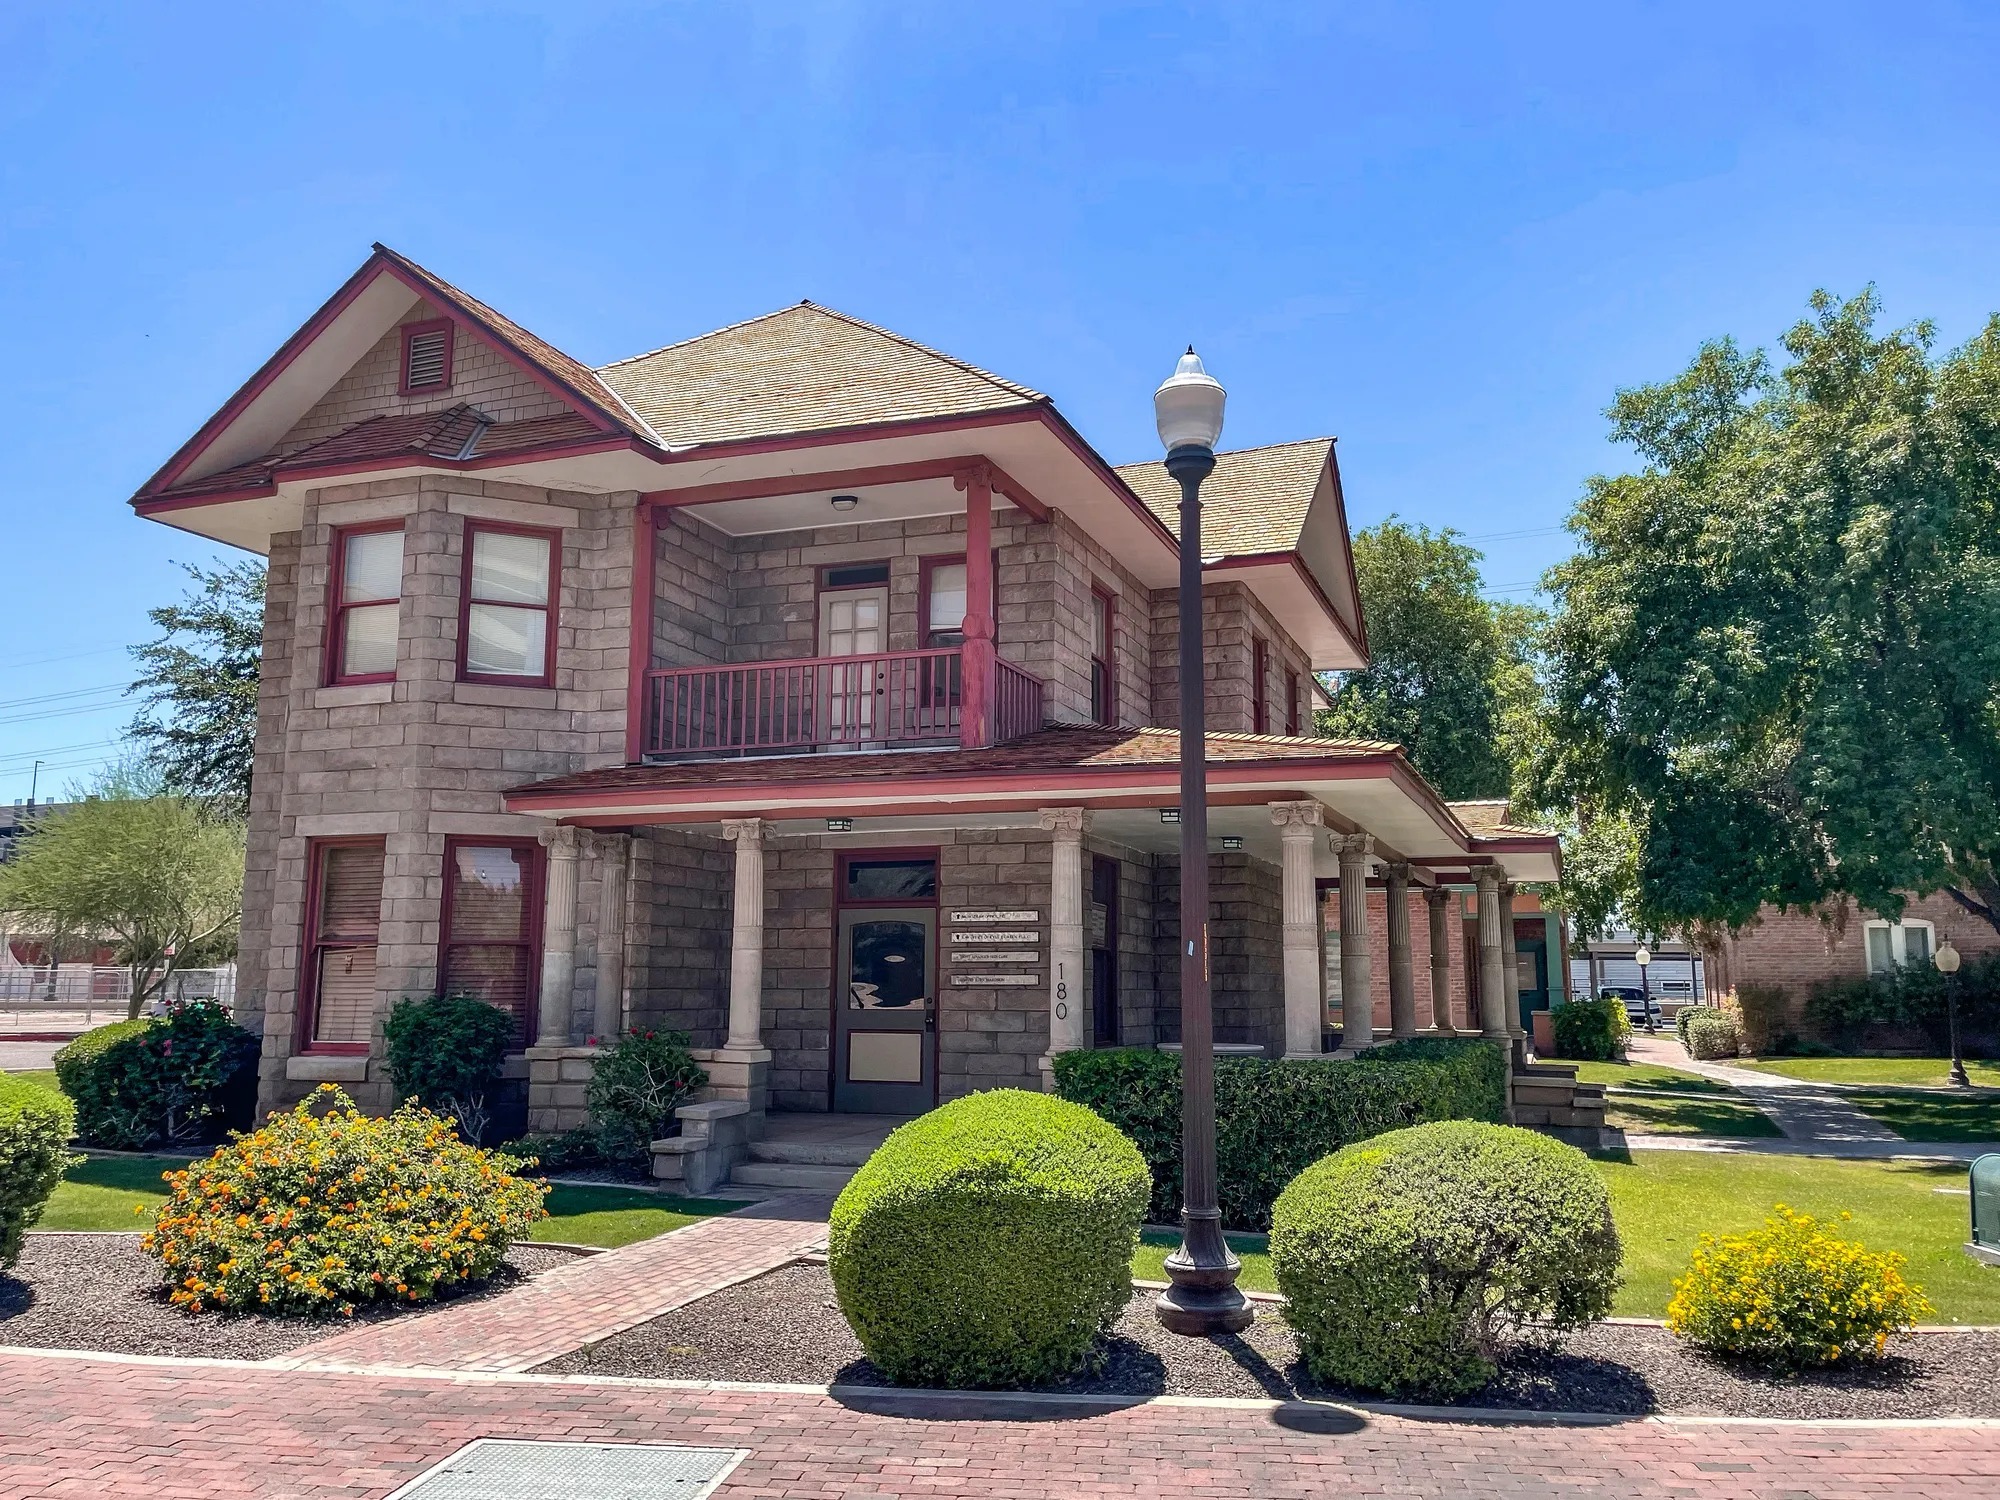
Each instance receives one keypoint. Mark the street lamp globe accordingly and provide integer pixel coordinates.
(1643, 957)
(1188, 406)
(1946, 958)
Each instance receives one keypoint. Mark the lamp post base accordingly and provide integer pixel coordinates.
(1203, 1299)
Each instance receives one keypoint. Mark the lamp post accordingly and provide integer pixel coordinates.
(1946, 959)
(1643, 957)
(1202, 1298)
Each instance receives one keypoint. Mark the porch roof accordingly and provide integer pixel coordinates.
(1365, 785)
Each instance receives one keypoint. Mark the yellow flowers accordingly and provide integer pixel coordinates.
(1791, 1294)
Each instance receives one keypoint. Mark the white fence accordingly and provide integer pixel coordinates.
(76, 997)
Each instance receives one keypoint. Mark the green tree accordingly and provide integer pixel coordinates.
(160, 878)
(1776, 657)
(1446, 666)
(199, 720)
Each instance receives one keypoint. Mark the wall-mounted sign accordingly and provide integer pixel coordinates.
(993, 935)
(997, 956)
(996, 916)
(995, 981)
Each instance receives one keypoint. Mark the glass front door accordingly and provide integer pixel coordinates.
(885, 1011)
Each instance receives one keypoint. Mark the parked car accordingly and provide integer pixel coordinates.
(1641, 1009)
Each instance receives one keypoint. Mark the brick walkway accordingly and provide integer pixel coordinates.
(589, 1299)
(87, 1426)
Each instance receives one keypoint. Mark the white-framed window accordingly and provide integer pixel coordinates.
(1893, 945)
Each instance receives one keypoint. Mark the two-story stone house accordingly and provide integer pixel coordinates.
(800, 687)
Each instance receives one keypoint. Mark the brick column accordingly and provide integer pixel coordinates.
(1492, 957)
(1357, 976)
(614, 861)
(1439, 902)
(1402, 983)
(558, 936)
(1069, 1009)
(1298, 825)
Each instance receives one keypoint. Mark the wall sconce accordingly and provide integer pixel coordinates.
(1232, 843)
(845, 503)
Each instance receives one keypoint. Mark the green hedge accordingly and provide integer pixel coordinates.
(1407, 1261)
(1591, 1030)
(990, 1242)
(35, 1127)
(178, 1079)
(1275, 1118)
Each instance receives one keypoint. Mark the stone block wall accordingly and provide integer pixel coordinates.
(677, 933)
(1246, 949)
(1231, 617)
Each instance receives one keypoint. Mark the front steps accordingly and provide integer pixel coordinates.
(1548, 1098)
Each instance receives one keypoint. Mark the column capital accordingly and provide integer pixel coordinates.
(1353, 845)
(563, 841)
(1065, 822)
(1438, 895)
(979, 472)
(1297, 819)
(1488, 878)
(743, 831)
(1398, 871)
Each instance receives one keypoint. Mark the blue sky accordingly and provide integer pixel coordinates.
(1446, 233)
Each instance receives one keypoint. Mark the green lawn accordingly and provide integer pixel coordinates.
(1924, 1116)
(46, 1077)
(1670, 1116)
(1664, 1201)
(1630, 1075)
(104, 1191)
(1909, 1072)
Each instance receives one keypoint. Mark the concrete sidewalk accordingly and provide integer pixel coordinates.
(1806, 1112)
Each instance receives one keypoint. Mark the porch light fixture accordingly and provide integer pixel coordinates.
(1947, 961)
(1203, 1299)
(1170, 815)
(1232, 843)
(840, 825)
(846, 502)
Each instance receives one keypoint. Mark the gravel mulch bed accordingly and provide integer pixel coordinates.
(101, 1292)
(786, 1327)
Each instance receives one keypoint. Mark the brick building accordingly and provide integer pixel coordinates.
(802, 688)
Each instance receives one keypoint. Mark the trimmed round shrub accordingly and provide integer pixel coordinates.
(35, 1127)
(326, 1208)
(1409, 1260)
(990, 1242)
(1591, 1030)
(179, 1079)
(1791, 1295)
(1713, 1034)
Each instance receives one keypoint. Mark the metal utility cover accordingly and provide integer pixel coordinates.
(505, 1469)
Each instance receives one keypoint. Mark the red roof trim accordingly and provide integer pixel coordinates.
(833, 479)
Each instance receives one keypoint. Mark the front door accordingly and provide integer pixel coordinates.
(1103, 938)
(852, 622)
(1531, 960)
(885, 1011)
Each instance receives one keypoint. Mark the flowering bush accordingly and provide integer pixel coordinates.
(326, 1208)
(177, 1078)
(1791, 1294)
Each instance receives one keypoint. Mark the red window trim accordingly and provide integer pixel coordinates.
(531, 939)
(1293, 717)
(1107, 602)
(929, 564)
(302, 1036)
(412, 331)
(1260, 693)
(335, 647)
(553, 536)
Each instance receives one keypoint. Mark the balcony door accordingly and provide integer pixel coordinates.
(852, 622)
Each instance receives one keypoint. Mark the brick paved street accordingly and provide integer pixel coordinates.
(594, 1297)
(91, 1428)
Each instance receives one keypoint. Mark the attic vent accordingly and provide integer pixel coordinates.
(426, 357)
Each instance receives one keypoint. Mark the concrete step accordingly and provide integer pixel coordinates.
(779, 1174)
(811, 1153)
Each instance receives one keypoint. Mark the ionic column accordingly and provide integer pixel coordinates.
(1298, 825)
(614, 863)
(1510, 958)
(1357, 977)
(1439, 902)
(1068, 1008)
(1402, 983)
(1492, 957)
(558, 935)
(746, 937)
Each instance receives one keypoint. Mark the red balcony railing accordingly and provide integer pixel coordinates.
(885, 701)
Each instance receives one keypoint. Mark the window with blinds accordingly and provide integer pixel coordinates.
(345, 926)
(366, 605)
(489, 948)
(426, 357)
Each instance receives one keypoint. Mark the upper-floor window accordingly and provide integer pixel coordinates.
(944, 604)
(1293, 711)
(1891, 945)
(1260, 689)
(507, 632)
(426, 357)
(489, 944)
(343, 926)
(1103, 680)
(365, 603)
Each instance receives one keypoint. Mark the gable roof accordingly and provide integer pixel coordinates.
(1255, 502)
(803, 369)
(1492, 818)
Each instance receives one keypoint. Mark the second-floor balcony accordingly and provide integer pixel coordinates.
(890, 700)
